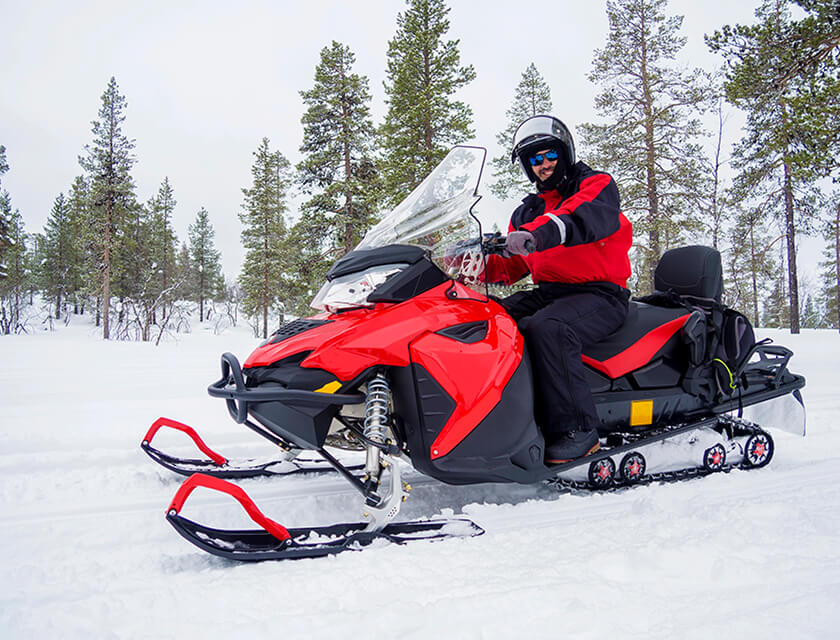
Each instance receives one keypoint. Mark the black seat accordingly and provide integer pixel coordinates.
(660, 324)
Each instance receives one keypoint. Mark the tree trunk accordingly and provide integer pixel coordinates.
(106, 275)
(654, 238)
(837, 263)
(754, 269)
(793, 285)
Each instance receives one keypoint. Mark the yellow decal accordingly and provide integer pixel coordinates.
(330, 387)
(641, 413)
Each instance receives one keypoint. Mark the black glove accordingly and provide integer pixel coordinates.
(520, 243)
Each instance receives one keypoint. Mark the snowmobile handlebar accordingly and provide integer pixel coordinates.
(231, 387)
(496, 244)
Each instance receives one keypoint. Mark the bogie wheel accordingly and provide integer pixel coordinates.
(714, 458)
(602, 473)
(632, 467)
(758, 451)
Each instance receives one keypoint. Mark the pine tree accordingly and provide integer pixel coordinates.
(5, 215)
(204, 262)
(784, 74)
(108, 162)
(648, 139)
(83, 264)
(830, 269)
(56, 266)
(337, 170)
(14, 284)
(776, 310)
(423, 120)
(751, 263)
(264, 234)
(532, 97)
(161, 209)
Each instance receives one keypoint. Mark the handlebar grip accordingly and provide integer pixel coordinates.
(530, 246)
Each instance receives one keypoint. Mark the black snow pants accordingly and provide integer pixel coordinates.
(558, 320)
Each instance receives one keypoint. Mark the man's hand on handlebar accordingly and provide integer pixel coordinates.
(520, 243)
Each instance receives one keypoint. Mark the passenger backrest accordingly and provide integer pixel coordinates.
(693, 277)
(690, 271)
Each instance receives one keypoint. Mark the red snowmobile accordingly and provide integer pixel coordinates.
(420, 369)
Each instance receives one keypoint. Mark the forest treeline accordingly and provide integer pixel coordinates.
(105, 252)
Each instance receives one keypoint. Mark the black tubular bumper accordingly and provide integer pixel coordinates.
(231, 388)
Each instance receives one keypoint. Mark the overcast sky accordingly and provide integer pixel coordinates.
(205, 81)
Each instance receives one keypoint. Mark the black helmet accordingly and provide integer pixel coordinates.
(543, 132)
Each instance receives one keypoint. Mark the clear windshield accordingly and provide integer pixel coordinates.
(436, 213)
(435, 216)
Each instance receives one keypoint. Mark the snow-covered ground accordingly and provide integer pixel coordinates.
(87, 553)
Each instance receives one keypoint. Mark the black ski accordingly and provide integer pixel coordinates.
(276, 542)
(219, 466)
(314, 542)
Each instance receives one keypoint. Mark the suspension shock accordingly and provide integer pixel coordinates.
(377, 403)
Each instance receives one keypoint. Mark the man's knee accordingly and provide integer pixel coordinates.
(548, 331)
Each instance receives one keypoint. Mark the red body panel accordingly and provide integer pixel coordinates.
(474, 375)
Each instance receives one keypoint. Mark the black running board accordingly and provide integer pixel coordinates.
(607, 452)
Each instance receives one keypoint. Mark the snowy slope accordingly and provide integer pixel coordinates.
(87, 552)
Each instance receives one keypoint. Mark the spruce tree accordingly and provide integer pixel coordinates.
(204, 260)
(785, 74)
(423, 119)
(264, 234)
(108, 161)
(649, 136)
(532, 97)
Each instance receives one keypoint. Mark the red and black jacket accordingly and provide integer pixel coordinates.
(593, 244)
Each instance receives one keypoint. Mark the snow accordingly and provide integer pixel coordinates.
(86, 551)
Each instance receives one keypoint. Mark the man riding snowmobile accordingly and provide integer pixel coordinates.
(432, 377)
(573, 239)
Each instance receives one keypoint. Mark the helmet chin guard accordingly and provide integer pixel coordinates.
(538, 133)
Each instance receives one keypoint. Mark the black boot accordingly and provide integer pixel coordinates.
(571, 445)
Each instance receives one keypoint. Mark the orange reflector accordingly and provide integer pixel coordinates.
(641, 413)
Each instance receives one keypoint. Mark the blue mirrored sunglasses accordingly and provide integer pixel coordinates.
(537, 159)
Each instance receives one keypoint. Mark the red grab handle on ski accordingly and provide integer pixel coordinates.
(180, 426)
(237, 493)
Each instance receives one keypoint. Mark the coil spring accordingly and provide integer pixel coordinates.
(376, 409)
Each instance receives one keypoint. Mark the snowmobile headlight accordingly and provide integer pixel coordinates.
(353, 289)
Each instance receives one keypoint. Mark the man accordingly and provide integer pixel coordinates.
(574, 241)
